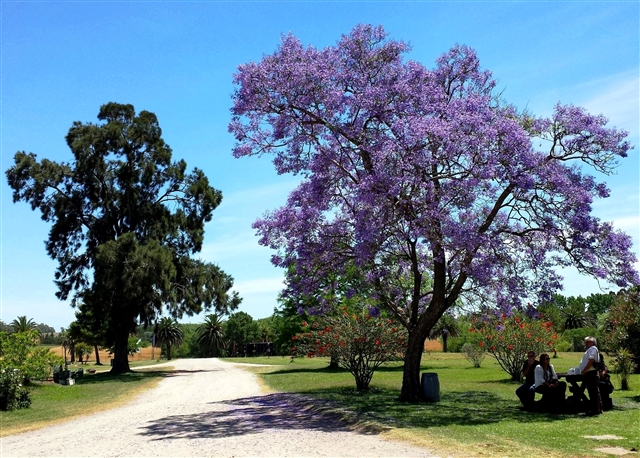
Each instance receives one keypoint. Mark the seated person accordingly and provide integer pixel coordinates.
(524, 392)
(547, 384)
(604, 385)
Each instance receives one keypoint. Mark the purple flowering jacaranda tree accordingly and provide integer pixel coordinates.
(425, 179)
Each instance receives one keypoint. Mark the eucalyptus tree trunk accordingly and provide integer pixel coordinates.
(121, 353)
(95, 348)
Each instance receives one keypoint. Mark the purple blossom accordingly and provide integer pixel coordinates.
(423, 179)
(374, 311)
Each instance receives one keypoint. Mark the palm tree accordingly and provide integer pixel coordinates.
(446, 327)
(210, 334)
(574, 314)
(21, 324)
(168, 332)
(265, 331)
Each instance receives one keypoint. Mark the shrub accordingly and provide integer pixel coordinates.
(474, 354)
(464, 337)
(83, 351)
(622, 324)
(39, 364)
(564, 345)
(19, 351)
(360, 343)
(24, 399)
(456, 344)
(509, 338)
(12, 394)
(623, 366)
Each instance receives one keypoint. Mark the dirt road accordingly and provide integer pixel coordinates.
(208, 408)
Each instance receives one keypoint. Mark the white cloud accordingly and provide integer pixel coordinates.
(629, 224)
(617, 99)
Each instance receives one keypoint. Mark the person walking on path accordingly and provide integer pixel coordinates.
(590, 375)
(524, 392)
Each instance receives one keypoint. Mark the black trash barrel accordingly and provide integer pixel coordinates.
(431, 386)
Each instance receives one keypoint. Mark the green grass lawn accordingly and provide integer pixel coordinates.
(477, 414)
(53, 403)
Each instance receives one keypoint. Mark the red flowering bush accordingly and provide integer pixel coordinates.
(508, 339)
(361, 343)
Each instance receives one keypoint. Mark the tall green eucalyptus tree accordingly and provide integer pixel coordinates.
(125, 221)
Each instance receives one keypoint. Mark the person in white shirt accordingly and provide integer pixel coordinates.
(547, 384)
(590, 375)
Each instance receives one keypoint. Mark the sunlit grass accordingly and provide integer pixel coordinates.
(478, 412)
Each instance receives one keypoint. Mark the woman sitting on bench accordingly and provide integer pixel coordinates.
(547, 384)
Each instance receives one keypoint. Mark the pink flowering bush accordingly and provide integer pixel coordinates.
(362, 343)
(509, 338)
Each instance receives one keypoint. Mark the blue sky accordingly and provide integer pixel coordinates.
(62, 60)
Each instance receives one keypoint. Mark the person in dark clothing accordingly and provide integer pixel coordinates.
(524, 392)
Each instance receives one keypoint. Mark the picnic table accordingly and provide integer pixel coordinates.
(575, 387)
(578, 389)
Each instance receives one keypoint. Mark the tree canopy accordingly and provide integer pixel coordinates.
(239, 330)
(125, 221)
(426, 180)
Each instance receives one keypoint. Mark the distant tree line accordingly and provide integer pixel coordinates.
(613, 318)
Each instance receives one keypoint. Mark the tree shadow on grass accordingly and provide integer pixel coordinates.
(385, 368)
(627, 399)
(127, 377)
(179, 372)
(337, 410)
(328, 370)
(310, 370)
(506, 381)
(455, 408)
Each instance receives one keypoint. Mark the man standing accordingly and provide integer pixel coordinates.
(590, 375)
(524, 392)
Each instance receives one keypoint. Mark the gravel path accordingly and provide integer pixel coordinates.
(208, 407)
